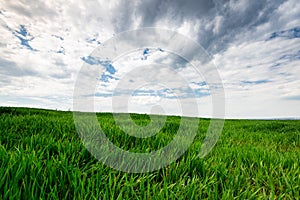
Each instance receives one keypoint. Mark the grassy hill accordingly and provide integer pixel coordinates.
(42, 156)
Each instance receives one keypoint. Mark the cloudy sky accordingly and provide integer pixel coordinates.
(255, 46)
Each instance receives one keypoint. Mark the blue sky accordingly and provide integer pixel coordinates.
(255, 46)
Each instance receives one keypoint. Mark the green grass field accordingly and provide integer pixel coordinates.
(42, 157)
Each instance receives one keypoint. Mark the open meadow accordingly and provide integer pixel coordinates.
(42, 157)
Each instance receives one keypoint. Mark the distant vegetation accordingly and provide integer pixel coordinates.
(42, 157)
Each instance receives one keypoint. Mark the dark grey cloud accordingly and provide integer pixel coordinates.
(152, 11)
(125, 15)
(296, 98)
(10, 68)
(219, 21)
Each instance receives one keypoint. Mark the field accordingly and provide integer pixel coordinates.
(42, 157)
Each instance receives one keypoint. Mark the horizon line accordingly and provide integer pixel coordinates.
(200, 117)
